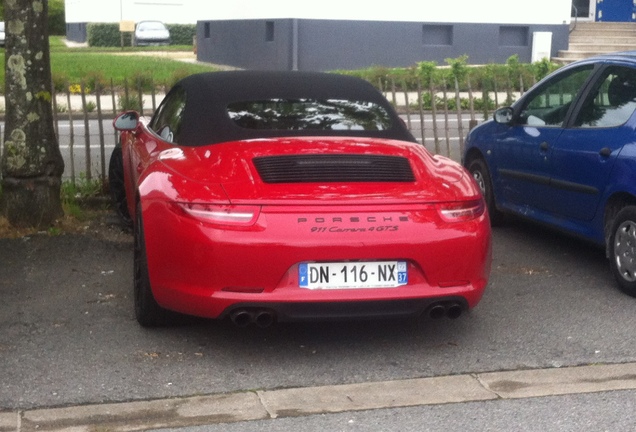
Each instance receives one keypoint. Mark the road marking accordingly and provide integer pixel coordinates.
(268, 404)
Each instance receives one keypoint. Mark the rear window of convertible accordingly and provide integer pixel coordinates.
(304, 114)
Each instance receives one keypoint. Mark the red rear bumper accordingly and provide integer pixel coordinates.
(205, 270)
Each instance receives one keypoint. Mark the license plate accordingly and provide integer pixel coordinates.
(347, 275)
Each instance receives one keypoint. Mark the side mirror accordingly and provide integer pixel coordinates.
(127, 121)
(503, 115)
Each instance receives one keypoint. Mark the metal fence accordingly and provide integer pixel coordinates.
(83, 121)
(83, 124)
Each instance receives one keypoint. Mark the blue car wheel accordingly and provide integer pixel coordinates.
(622, 250)
(479, 170)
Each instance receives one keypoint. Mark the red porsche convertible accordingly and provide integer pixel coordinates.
(286, 196)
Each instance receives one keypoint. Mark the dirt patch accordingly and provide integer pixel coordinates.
(103, 224)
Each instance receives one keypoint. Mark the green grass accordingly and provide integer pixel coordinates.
(74, 65)
(73, 193)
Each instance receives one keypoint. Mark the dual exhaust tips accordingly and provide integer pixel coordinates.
(264, 318)
(261, 317)
(450, 310)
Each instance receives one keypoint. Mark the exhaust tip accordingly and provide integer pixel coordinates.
(454, 311)
(264, 319)
(241, 318)
(437, 311)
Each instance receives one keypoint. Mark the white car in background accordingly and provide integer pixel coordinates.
(151, 33)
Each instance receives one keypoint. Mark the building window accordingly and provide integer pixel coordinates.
(269, 31)
(437, 34)
(513, 36)
(206, 30)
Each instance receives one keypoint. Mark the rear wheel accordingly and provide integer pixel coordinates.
(479, 170)
(116, 185)
(622, 249)
(147, 310)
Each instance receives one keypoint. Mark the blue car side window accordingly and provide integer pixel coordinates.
(550, 104)
(613, 100)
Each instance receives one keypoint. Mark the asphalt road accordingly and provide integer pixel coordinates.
(68, 335)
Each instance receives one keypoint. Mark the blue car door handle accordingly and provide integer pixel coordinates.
(605, 152)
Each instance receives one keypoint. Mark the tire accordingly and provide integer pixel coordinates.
(479, 170)
(117, 186)
(147, 311)
(622, 250)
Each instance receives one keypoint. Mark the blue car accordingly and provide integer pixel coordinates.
(565, 155)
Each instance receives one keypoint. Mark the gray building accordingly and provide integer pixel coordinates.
(322, 44)
(345, 34)
(351, 34)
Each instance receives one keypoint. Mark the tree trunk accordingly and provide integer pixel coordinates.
(32, 164)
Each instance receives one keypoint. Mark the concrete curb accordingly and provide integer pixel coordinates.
(295, 402)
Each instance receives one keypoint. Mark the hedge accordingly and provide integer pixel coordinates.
(104, 35)
(107, 34)
(182, 34)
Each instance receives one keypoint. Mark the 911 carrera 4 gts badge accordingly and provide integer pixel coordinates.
(352, 224)
(349, 275)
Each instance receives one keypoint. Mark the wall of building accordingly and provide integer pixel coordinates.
(455, 11)
(76, 32)
(330, 34)
(551, 12)
(110, 11)
(245, 44)
(346, 34)
(322, 45)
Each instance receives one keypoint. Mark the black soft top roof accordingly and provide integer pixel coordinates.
(206, 121)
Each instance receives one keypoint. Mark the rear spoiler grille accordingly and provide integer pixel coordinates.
(333, 168)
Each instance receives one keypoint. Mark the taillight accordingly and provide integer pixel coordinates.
(462, 210)
(234, 215)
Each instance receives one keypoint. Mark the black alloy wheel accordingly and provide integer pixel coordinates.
(116, 185)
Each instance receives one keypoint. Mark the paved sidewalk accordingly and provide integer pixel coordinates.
(296, 402)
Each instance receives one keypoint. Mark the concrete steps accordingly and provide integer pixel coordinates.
(588, 39)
